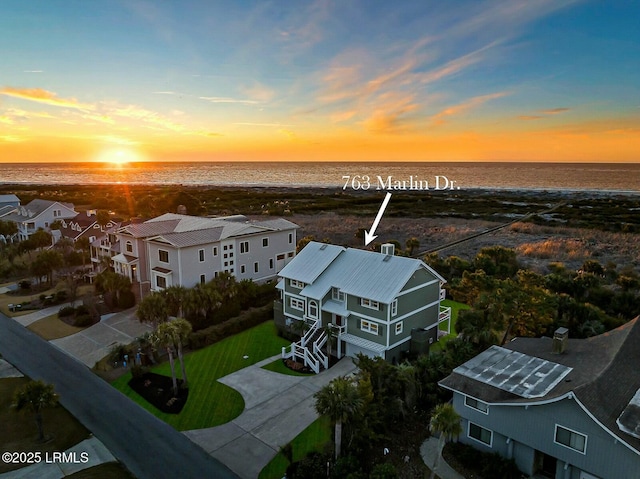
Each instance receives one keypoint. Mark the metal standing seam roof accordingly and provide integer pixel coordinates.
(311, 262)
(360, 273)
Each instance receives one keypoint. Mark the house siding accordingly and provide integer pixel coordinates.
(533, 429)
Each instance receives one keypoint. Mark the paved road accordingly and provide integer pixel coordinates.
(148, 447)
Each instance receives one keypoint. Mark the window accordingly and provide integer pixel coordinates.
(244, 247)
(243, 269)
(297, 304)
(226, 256)
(201, 255)
(290, 238)
(57, 213)
(265, 242)
(337, 294)
(313, 309)
(128, 247)
(399, 327)
(480, 434)
(215, 251)
(571, 439)
(369, 327)
(296, 284)
(367, 303)
(255, 267)
(203, 279)
(225, 247)
(271, 263)
(163, 256)
(483, 407)
(394, 308)
(290, 255)
(161, 282)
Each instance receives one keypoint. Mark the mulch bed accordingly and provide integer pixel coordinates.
(158, 390)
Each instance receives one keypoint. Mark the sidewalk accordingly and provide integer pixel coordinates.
(278, 407)
(429, 453)
(27, 319)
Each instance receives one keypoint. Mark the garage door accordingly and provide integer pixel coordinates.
(352, 350)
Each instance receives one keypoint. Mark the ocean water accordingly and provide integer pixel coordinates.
(603, 177)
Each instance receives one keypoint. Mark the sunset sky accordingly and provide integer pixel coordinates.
(124, 80)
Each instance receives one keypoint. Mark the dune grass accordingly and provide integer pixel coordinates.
(316, 437)
(210, 402)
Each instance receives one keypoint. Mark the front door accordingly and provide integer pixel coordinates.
(548, 468)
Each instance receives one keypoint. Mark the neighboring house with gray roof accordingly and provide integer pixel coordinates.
(39, 213)
(375, 303)
(561, 408)
(11, 201)
(175, 249)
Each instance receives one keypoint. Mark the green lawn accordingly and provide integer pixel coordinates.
(314, 438)
(211, 403)
(278, 367)
(455, 307)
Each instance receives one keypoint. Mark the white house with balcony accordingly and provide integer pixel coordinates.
(39, 213)
(175, 249)
(366, 302)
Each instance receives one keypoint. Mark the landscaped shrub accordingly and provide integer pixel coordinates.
(82, 320)
(126, 299)
(61, 296)
(82, 309)
(217, 332)
(66, 311)
(25, 284)
(488, 465)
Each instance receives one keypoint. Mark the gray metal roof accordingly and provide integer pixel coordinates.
(365, 274)
(514, 372)
(9, 199)
(311, 262)
(184, 230)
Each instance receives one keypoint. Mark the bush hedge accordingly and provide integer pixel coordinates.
(217, 332)
(488, 465)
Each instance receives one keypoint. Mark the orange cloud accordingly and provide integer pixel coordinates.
(43, 96)
(440, 118)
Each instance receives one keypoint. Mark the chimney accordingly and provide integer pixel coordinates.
(387, 249)
(560, 340)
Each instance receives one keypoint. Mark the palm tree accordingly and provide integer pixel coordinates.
(34, 397)
(446, 422)
(164, 337)
(339, 400)
(182, 329)
(175, 296)
(153, 309)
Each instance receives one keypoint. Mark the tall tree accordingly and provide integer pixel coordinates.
(175, 296)
(46, 263)
(181, 331)
(164, 337)
(340, 401)
(153, 309)
(34, 397)
(446, 422)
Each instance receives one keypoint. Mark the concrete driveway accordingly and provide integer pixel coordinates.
(278, 407)
(95, 342)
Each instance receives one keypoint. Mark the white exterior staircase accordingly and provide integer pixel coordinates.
(309, 348)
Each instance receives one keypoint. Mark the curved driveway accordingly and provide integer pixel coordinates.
(148, 447)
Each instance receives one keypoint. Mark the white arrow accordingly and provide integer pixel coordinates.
(369, 236)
